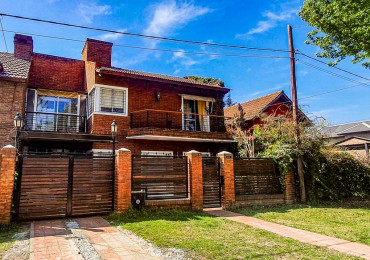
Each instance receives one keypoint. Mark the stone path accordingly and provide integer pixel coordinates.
(344, 246)
(52, 239)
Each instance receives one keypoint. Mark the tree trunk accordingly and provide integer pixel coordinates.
(302, 188)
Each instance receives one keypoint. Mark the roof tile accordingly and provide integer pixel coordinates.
(14, 67)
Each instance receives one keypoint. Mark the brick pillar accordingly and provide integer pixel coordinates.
(289, 193)
(7, 169)
(123, 173)
(196, 179)
(227, 171)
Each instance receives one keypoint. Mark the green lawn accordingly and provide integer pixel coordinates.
(346, 221)
(6, 237)
(205, 237)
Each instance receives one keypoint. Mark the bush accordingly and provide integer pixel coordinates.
(332, 175)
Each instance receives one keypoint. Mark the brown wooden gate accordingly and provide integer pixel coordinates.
(54, 186)
(211, 183)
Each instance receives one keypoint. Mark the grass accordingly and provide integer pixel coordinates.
(205, 237)
(6, 236)
(347, 221)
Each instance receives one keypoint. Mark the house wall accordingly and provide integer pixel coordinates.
(142, 95)
(58, 73)
(12, 100)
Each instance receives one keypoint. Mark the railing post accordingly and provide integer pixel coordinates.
(227, 171)
(123, 173)
(7, 170)
(196, 179)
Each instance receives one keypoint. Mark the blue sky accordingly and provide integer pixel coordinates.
(250, 23)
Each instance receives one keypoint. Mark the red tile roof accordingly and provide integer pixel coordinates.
(154, 76)
(253, 107)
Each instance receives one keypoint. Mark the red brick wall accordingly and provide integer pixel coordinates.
(7, 168)
(12, 100)
(98, 51)
(23, 47)
(141, 95)
(56, 73)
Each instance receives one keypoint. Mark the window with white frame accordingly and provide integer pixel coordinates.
(105, 99)
(157, 153)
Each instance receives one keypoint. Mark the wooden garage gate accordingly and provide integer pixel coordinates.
(53, 186)
(211, 183)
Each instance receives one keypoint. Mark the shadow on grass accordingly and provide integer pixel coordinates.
(134, 216)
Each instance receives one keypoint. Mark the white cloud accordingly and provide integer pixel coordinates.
(89, 11)
(111, 36)
(170, 15)
(265, 91)
(271, 22)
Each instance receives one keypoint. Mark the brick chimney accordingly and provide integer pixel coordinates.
(23, 47)
(97, 51)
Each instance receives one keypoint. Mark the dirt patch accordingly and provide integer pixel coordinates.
(20, 249)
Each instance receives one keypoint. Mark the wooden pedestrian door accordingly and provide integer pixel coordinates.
(54, 186)
(211, 183)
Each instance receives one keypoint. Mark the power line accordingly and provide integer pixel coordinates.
(346, 71)
(328, 71)
(157, 49)
(2, 29)
(143, 35)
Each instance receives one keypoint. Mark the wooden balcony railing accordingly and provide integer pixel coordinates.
(53, 122)
(162, 119)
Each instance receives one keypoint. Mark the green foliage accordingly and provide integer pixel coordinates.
(211, 81)
(228, 101)
(343, 28)
(332, 174)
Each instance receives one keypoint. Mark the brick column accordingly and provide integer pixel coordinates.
(7, 170)
(289, 193)
(227, 171)
(196, 179)
(123, 173)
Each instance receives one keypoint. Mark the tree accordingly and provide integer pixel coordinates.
(228, 101)
(343, 29)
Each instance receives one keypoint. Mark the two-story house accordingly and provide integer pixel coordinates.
(70, 105)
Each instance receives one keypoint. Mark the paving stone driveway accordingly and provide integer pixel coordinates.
(82, 238)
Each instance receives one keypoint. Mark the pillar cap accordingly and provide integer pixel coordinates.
(225, 152)
(123, 150)
(193, 152)
(9, 146)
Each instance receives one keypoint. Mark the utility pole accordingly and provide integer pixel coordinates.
(295, 115)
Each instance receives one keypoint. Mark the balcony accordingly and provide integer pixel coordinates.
(150, 124)
(54, 122)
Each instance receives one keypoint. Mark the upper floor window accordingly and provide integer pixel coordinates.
(105, 99)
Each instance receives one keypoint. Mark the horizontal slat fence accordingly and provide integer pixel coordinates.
(44, 188)
(211, 182)
(92, 186)
(256, 176)
(161, 177)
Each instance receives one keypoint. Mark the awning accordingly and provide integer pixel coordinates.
(191, 97)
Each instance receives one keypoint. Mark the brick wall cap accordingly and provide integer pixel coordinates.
(224, 153)
(123, 150)
(9, 146)
(193, 152)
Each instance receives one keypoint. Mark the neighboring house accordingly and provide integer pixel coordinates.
(70, 105)
(275, 104)
(13, 83)
(354, 137)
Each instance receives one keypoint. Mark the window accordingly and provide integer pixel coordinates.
(108, 100)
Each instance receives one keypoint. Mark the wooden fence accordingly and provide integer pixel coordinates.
(256, 176)
(161, 177)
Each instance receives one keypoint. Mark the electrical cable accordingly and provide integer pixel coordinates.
(143, 35)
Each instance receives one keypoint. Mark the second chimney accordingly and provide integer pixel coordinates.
(23, 47)
(98, 51)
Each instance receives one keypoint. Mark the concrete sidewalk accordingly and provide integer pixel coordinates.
(344, 246)
(88, 238)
